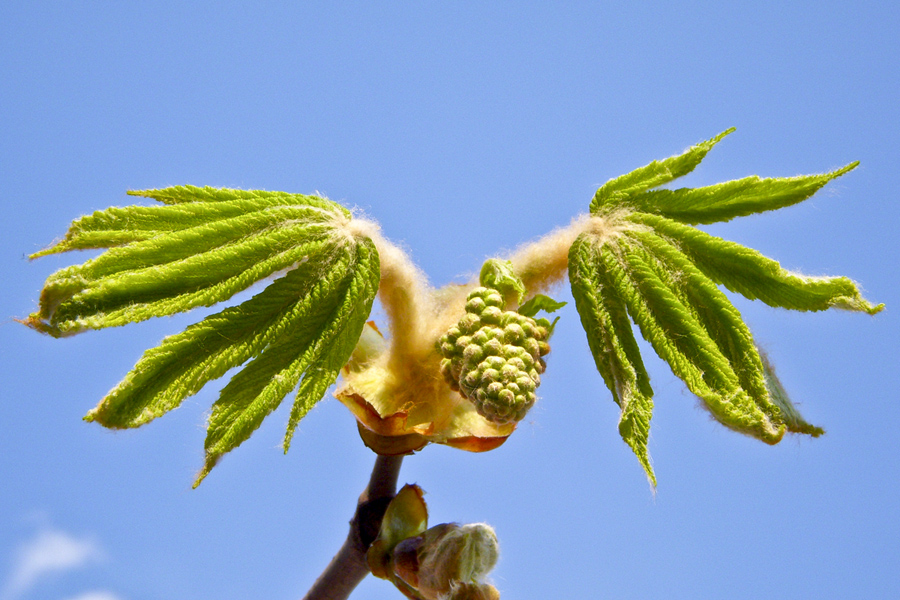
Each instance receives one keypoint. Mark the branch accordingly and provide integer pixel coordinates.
(348, 567)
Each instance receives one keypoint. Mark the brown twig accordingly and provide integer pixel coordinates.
(348, 567)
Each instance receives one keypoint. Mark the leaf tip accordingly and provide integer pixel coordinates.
(105, 414)
(858, 304)
(648, 470)
(207, 467)
(36, 322)
(54, 249)
(845, 169)
(153, 194)
(770, 434)
(874, 310)
(807, 429)
(288, 436)
(722, 135)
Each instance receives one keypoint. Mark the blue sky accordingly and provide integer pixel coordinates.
(464, 130)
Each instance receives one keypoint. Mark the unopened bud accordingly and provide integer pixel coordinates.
(452, 554)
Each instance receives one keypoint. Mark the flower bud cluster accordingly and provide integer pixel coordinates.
(493, 357)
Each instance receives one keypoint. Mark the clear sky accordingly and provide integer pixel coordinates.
(465, 130)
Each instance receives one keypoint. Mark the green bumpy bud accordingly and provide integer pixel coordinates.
(493, 357)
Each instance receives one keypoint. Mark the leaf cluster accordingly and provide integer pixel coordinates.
(199, 248)
(650, 266)
(637, 260)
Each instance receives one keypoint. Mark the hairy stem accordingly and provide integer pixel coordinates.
(348, 567)
(544, 262)
(403, 289)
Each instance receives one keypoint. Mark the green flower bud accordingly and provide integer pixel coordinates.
(474, 353)
(493, 347)
(494, 298)
(491, 315)
(513, 333)
(495, 359)
(469, 323)
(475, 305)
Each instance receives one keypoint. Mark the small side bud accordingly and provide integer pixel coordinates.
(406, 517)
(452, 554)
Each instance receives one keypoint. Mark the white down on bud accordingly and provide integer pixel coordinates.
(456, 554)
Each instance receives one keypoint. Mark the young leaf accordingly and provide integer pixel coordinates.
(747, 272)
(725, 201)
(116, 226)
(202, 246)
(339, 343)
(315, 349)
(682, 341)
(792, 419)
(499, 275)
(714, 312)
(616, 191)
(539, 302)
(181, 194)
(183, 363)
(611, 340)
(202, 256)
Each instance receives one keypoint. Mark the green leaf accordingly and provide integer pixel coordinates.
(116, 226)
(335, 311)
(499, 275)
(181, 194)
(680, 339)
(616, 191)
(791, 416)
(183, 363)
(725, 201)
(714, 312)
(747, 272)
(611, 340)
(341, 339)
(540, 302)
(199, 248)
(170, 259)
